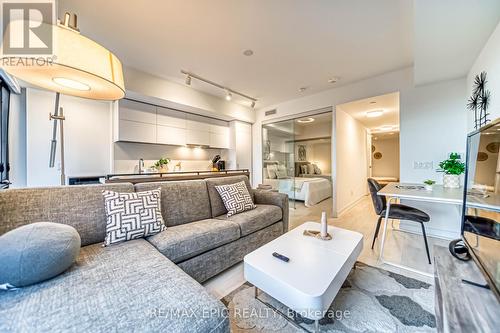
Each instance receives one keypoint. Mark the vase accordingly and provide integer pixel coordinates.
(451, 181)
(163, 168)
(428, 187)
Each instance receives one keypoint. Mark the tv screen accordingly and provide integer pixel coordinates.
(481, 213)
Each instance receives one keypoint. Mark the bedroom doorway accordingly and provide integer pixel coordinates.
(297, 160)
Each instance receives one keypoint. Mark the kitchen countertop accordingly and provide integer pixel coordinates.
(169, 176)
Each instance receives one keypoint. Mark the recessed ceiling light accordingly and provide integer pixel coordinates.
(305, 120)
(374, 113)
(333, 79)
(248, 52)
(302, 89)
(229, 96)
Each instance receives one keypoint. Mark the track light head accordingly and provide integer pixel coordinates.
(253, 104)
(188, 80)
(229, 96)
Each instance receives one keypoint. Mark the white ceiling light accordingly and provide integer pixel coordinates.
(229, 96)
(248, 53)
(374, 113)
(305, 120)
(333, 80)
(302, 89)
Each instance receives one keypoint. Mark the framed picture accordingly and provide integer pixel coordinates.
(302, 153)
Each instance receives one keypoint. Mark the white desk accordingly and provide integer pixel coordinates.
(393, 191)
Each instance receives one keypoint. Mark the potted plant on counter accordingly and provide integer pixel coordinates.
(429, 184)
(162, 165)
(453, 167)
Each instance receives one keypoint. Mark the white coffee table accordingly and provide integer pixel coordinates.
(309, 282)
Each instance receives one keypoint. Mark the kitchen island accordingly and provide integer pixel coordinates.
(135, 178)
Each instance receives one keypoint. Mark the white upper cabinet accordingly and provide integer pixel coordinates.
(135, 111)
(172, 118)
(169, 135)
(141, 122)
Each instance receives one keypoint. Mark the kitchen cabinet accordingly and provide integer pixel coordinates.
(169, 117)
(146, 123)
(134, 131)
(169, 135)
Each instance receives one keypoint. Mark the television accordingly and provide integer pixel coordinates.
(481, 209)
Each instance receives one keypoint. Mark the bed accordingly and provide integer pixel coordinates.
(310, 190)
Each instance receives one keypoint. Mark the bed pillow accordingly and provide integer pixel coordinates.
(317, 170)
(271, 171)
(281, 172)
(303, 169)
(132, 215)
(235, 197)
(310, 169)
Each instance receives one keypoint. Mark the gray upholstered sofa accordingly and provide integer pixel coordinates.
(145, 285)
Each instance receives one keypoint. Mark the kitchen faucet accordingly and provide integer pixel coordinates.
(141, 165)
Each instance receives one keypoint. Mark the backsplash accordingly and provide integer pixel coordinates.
(126, 156)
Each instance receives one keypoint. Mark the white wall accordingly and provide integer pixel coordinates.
(388, 165)
(488, 61)
(87, 137)
(351, 160)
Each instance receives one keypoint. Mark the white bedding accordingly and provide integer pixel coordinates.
(310, 190)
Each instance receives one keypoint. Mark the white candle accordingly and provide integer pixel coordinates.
(324, 225)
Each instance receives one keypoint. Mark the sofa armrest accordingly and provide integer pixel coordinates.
(276, 199)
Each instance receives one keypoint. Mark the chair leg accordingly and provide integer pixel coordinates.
(426, 245)
(376, 230)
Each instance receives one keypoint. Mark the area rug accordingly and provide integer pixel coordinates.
(371, 300)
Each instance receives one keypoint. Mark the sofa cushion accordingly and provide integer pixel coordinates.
(81, 207)
(176, 206)
(132, 215)
(188, 240)
(37, 252)
(128, 287)
(216, 203)
(256, 219)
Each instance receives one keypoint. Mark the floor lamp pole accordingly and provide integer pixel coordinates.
(58, 116)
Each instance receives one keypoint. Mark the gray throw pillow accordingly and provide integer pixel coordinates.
(36, 252)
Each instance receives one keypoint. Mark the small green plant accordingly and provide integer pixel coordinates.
(161, 162)
(453, 165)
(429, 182)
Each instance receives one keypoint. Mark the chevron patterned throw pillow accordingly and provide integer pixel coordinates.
(235, 197)
(132, 215)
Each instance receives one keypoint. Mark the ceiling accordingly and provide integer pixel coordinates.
(389, 103)
(449, 34)
(295, 43)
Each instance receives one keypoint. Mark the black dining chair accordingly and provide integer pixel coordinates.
(397, 212)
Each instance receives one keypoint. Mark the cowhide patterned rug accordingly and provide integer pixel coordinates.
(371, 300)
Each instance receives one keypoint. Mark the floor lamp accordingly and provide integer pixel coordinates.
(78, 67)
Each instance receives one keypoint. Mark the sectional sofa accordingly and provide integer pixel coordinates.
(144, 285)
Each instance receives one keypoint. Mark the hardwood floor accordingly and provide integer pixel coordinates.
(400, 247)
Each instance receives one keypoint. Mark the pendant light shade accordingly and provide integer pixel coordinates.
(80, 67)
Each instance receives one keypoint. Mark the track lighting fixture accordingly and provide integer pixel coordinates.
(229, 92)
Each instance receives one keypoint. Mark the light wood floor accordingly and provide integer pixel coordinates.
(400, 247)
